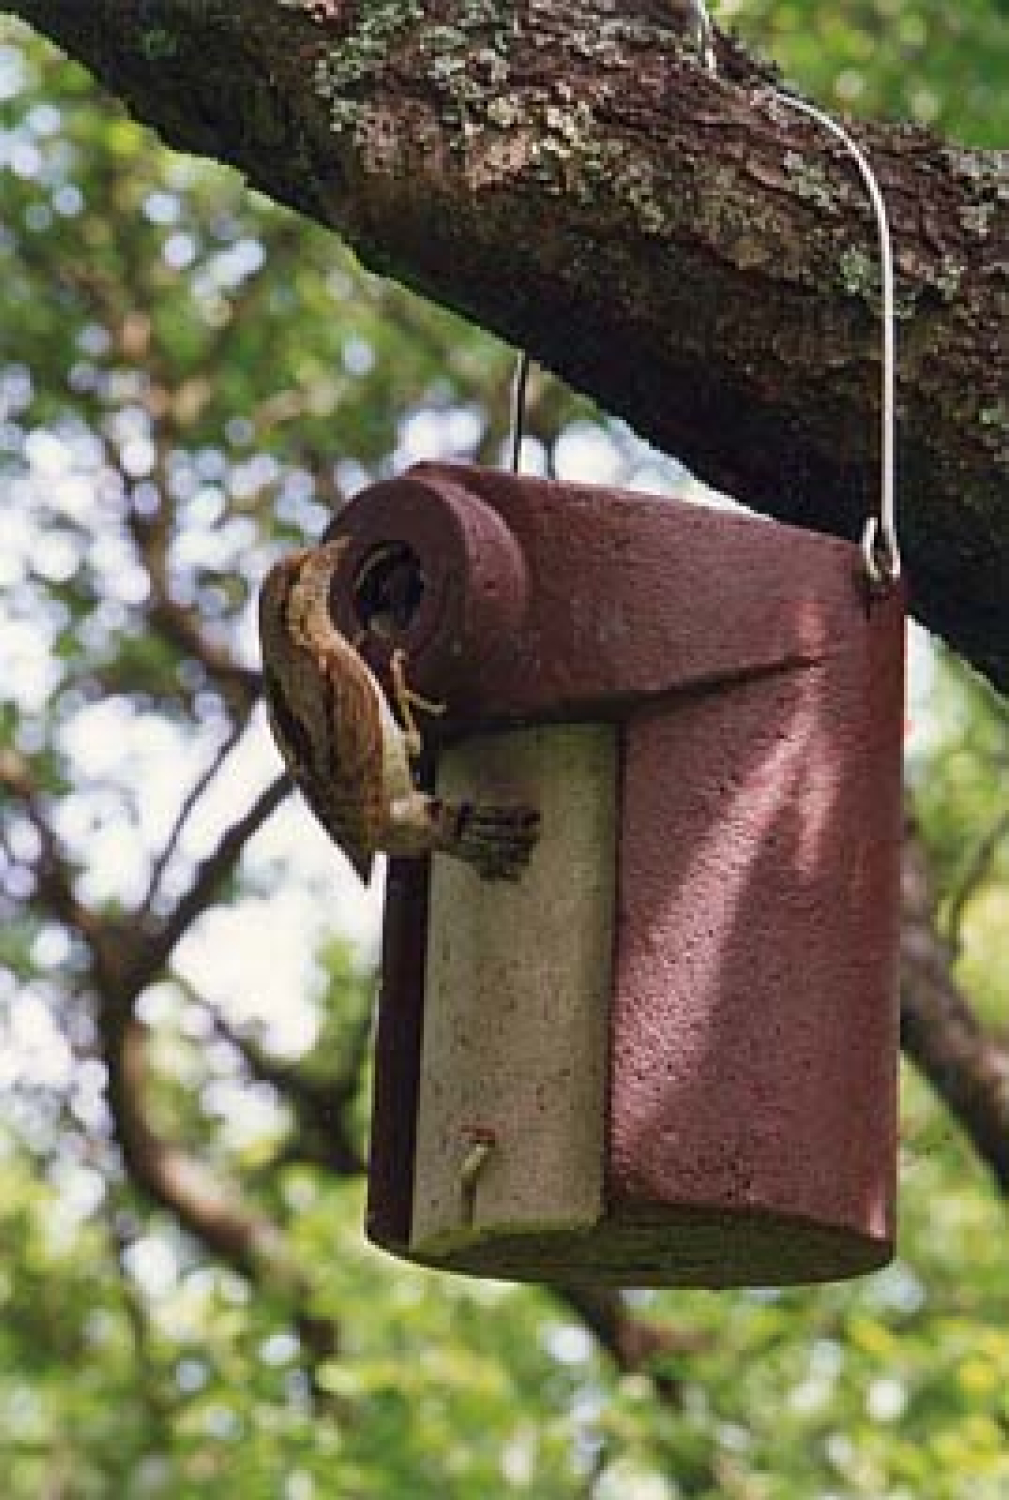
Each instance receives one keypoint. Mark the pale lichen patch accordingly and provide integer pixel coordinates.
(809, 181)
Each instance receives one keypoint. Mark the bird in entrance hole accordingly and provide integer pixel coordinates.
(343, 746)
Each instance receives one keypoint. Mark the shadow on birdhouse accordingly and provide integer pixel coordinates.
(667, 1054)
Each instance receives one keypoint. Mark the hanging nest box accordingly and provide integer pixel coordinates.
(668, 1053)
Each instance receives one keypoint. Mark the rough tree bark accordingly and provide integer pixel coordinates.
(681, 246)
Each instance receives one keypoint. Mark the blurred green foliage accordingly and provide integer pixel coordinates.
(167, 337)
(943, 66)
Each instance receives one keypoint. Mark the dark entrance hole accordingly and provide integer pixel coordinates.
(388, 589)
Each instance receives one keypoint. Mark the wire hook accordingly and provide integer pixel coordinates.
(880, 548)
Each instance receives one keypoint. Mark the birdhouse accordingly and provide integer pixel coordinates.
(667, 1053)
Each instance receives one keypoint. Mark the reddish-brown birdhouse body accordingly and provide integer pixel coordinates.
(668, 1054)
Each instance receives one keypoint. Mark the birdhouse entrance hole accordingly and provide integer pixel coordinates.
(388, 588)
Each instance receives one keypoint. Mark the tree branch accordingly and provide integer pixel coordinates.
(319, 1105)
(233, 1231)
(180, 625)
(636, 1345)
(692, 253)
(974, 873)
(967, 1066)
(55, 888)
(205, 886)
(229, 1228)
(187, 806)
(128, 952)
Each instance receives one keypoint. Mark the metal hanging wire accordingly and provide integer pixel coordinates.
(880, 546)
